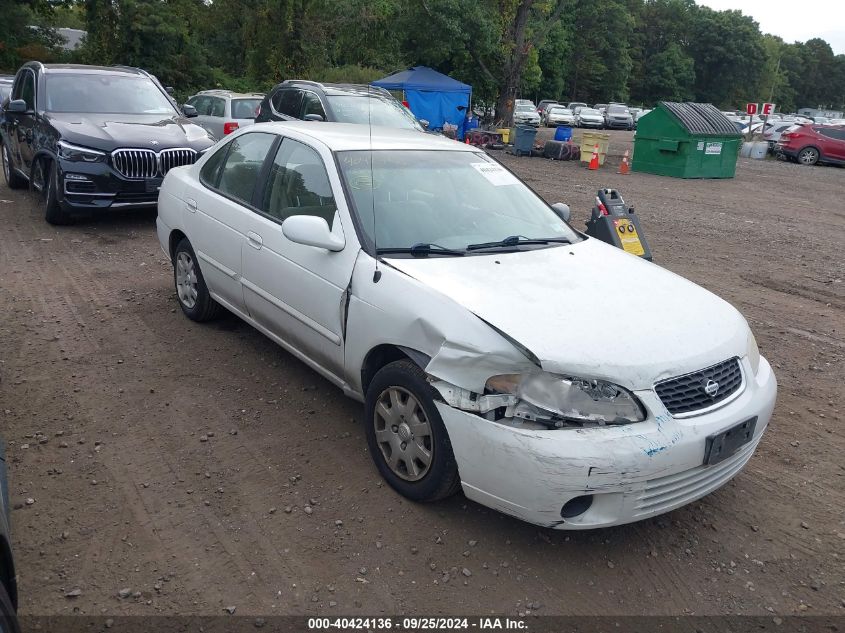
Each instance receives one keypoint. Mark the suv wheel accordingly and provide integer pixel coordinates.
(194, 298)
(8, 621)
(808, 156)
(13, 178)
(406, 435)
(48, 180)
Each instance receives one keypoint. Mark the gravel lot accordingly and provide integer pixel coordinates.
(159, 466)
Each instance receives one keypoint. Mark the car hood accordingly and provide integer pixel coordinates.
(591, 310)
(111, 131)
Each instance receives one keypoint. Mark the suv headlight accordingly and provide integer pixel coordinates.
(571, 398)
(753, 353)
(77, 154)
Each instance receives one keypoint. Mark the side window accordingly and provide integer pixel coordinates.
(298, 184)
(210, 172)
(25, 89)
(200, 103)
(286, 101)
(839, 135)
(311, 104)
(243, 165)
(218, 107)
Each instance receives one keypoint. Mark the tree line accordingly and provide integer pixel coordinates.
(637, 51)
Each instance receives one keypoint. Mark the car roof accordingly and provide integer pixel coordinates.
(352, 136)
(85, 69)
(229, 94)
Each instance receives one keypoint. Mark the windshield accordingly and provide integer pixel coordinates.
(614, 109)
(371, 110)
(561, 111)
(589, 111)
(245, 108)
(5, 91)
(106, 94)
(524, 107)
(448, 198)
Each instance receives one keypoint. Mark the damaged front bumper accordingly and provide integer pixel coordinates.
(631, 472)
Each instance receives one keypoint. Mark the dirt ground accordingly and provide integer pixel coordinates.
(171, 463)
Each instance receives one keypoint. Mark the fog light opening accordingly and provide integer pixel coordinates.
(576, 506)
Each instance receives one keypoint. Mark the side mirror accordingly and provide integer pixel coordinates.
(313, 117)
(18, 105)
(189, 110)
(562, 210)
(312, 231)
(170, 90)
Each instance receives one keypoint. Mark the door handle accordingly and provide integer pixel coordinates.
(254, 240)
(191, 204)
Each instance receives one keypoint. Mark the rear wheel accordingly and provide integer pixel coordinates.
(13, 178)
(406, 435)
(808, 156)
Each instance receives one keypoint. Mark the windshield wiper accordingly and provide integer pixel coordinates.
(421, 249)
(518, 240)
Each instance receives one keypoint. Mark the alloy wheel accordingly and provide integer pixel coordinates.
(808, 156)
(186, 279)
(403, 433)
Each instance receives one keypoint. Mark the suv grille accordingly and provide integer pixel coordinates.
(686, 394)
(145, 163)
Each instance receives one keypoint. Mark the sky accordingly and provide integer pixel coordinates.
(794, 21)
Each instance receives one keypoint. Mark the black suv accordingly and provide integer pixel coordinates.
(93, 137)
(297, 99)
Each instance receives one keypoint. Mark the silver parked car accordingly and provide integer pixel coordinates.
(526, 114)
(221, 112)
(617, 116)
(590, 117)
(558, 115)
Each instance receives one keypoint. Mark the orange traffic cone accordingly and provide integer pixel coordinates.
(625, 166)
(594, 161)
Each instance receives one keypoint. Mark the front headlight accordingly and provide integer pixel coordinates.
(77, 154)
(753, 353)
(575, 399)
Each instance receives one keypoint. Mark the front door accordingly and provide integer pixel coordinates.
(22, 124)
(299, 292)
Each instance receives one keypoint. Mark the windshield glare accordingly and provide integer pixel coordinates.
(106, 94)
(371, 110)
(448, 198)
(589, 111)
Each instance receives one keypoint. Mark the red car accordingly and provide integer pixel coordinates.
(811, 144)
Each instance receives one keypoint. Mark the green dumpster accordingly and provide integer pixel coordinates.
(686, 140)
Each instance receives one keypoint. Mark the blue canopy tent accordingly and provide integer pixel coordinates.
(432, 96)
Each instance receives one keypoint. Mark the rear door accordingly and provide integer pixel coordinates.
(834, 143)
(299, 292)
(218, 214)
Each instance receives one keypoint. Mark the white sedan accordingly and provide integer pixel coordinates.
(549, 375)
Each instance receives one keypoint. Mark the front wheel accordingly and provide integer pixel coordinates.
(194, 299)
(406, 435)
(8, 621)
(808, 156)
(53, 212)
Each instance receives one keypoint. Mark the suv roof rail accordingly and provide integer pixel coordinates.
(303, 81)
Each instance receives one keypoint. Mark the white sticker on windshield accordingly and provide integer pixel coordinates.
(496, 174)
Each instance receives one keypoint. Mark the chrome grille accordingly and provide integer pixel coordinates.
(139, 164)
(686, 394)
(135, 163)
(170, 158)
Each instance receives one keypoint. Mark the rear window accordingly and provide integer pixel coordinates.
(245, 108)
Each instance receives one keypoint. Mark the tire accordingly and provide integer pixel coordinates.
(402, 386)
(53, 212)
(808, 156)
(8, 620)
(194, 298)
(13, 179)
